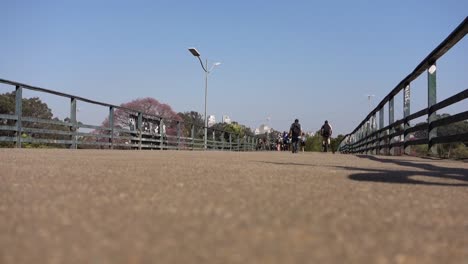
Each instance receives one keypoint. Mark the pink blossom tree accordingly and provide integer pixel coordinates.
(148, 106)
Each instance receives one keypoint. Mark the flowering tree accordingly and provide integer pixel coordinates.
(152, 111)
(148, 105)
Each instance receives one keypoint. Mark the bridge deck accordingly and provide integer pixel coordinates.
(88, 206)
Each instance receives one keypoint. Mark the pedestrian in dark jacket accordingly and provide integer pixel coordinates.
(295, 131)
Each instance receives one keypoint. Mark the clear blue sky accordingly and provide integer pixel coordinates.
(312, 60)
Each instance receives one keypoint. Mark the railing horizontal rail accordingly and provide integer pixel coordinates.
(450, 119)
(8, 139)
(420, 127)
(451, 100)
(8, 128)
(47, 131)
(451, 138)
(100, 128)
(9, 117)
(44, 121)
(46, 141)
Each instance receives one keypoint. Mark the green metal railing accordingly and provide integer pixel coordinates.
(366, 138)
(148, 132)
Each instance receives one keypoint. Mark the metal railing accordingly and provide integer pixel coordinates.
(146, 132)
(366, 138)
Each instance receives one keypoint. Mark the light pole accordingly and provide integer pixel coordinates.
(195, 53)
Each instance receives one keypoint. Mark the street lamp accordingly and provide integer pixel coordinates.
(207, 71)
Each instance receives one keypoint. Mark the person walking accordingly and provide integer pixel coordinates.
(303, 141)
(326, 131)
(295, 131)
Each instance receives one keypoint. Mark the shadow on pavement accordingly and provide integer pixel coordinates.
(285, 163)
(404, 177)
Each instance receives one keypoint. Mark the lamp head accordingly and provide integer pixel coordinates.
(194, 52)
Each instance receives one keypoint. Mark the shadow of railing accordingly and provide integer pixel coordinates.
(437, 174)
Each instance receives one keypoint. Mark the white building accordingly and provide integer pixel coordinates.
(226, 119)
(262, 129)
(211, 120)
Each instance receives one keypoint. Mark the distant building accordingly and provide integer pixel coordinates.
(226, 119)
(211, 120)
(262, 129)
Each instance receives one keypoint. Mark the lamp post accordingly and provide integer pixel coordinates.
(207, 71)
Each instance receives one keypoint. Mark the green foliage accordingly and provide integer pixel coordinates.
(189, 119)
(31, 107)
(450, 150)
(234, 128)
(459, 151)
(314, 143)
(334, 142)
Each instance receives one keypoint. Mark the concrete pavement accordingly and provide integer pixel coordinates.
(102, 206)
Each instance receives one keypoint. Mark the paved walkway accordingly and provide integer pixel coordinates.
(88, 206)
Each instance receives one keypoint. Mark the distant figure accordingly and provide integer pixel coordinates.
(303, 141)
(295, 132)
(285, 141)
(279, 142)
(326, 131)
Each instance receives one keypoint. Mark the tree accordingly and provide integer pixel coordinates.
(189, 119)
(314, 143)
(31, 107)
(148, 105)
(151, 109)
(234, 128)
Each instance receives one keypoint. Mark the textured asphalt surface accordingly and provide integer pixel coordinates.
(100, 206)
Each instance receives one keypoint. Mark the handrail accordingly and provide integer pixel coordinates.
(364, 139)
(454, 37)
(162, 140)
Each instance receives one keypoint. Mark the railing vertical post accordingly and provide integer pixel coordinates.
(238, 143)
(111, 126)
(431, 100)
(230, 142)
(406, 113)
(18, 113)
(178, 135)
(222, 140)
(73, 127)
(359, 139)
(381, 125)
(162, 133)
(193, 136)
(268, 141)
(214, 139)
(140, 128)
(368, 132)
(376, 136)
(391, 119)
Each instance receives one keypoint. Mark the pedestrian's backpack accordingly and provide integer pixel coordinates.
(326, 130)
(296, 129)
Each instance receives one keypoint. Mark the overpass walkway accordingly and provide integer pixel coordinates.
(112, 206)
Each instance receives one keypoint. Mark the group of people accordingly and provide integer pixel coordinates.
(284, 140)
(296, 137)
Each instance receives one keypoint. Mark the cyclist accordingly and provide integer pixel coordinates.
(326, 131)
